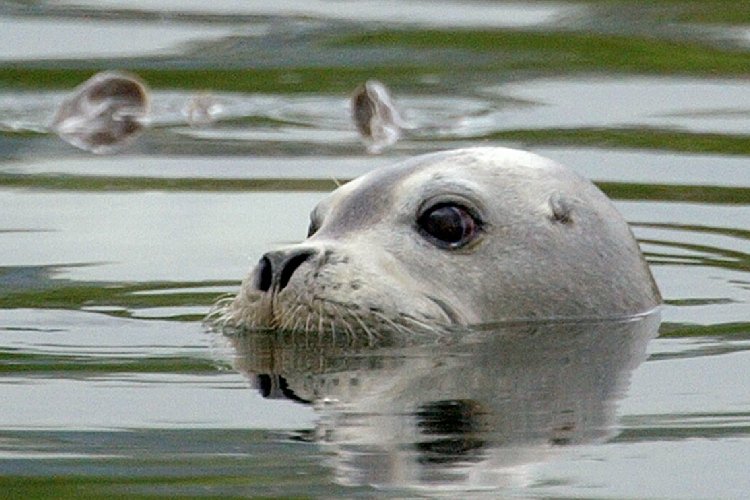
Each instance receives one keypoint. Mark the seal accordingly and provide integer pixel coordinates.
(462, 237)
(104, 113)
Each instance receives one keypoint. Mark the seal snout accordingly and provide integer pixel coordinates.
(276, 268)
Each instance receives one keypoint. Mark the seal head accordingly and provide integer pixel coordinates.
(461, 237)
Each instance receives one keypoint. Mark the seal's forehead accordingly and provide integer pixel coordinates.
(368, 198)
(371, 197)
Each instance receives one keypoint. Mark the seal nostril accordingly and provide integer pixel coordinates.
(290, 266)
(264, 278)
(275, 269)
(265, 384)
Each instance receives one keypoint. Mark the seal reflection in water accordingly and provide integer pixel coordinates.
(104, 113)
(463, 237)
(477, 408)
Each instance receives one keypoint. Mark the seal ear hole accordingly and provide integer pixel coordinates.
(562, 208)
(448, 225)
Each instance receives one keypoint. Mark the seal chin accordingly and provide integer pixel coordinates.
(328, 316)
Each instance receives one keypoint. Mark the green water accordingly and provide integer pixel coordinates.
(111, 386)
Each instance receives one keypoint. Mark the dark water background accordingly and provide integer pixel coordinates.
(109, 383)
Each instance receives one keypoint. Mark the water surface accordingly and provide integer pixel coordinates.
(112, 386)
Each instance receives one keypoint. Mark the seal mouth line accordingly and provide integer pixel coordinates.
(449, 312)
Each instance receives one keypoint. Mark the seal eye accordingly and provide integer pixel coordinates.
(448, 226)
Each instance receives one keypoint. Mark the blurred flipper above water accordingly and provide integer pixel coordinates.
(105, 113)
(376, 117)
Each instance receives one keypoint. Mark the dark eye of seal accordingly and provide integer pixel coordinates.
(448, 226)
